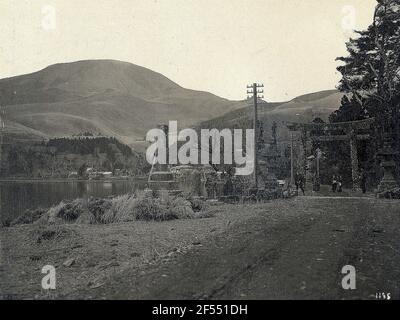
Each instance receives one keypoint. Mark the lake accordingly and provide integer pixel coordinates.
(18, 196)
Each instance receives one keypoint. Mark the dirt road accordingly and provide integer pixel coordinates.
(297, 253)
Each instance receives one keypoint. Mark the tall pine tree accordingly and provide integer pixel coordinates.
(371, 77)
(371, 71)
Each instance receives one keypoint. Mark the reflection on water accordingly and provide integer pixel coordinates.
(17, 196)
(107, 185)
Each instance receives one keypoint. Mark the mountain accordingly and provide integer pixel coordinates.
(110, 97)
(124, 100)
(307, 107)
(302, 109)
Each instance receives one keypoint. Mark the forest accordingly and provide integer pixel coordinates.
(61, 157)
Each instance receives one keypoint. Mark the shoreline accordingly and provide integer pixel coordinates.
(30, 180)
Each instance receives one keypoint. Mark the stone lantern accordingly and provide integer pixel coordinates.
(387, 154)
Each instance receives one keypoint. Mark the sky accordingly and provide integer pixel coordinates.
(219, 46)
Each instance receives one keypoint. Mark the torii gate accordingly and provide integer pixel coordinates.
(350, 128)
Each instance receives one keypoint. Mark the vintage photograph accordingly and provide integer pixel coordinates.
(200, 150)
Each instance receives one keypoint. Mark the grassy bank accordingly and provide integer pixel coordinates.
(142, 206)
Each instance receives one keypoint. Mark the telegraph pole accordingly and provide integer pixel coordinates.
(254, 90)
(292, 182)
(2, 127)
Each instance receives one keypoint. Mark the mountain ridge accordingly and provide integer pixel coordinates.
(124, 100)
(108, 96)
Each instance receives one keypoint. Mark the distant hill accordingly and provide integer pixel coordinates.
(109, 97)
(307, 107)
(301, 109)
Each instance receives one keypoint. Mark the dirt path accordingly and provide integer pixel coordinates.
(292, 250)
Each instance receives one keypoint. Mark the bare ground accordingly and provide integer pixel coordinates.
(99, 251)
(285, 249)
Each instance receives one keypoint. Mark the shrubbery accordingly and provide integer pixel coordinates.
(29, 216)
(143, 206)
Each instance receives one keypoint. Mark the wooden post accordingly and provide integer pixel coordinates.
(397, 138)
(255, 98)
(254, 91)
(292, 182)
(354, 161)
(304, 145)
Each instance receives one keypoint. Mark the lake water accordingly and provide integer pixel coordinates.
(18, 196)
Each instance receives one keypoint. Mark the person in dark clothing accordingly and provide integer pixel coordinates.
(363, 182)
(302, 184)
(334, 184)
(300, 181)
(296, 181)
(339, 184)
(228, 187)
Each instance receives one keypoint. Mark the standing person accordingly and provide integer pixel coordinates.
(211, 185)
(228, 186)
(296, 181)
(363, 182)
(301, 183)
(339, 184)
(334, 183)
